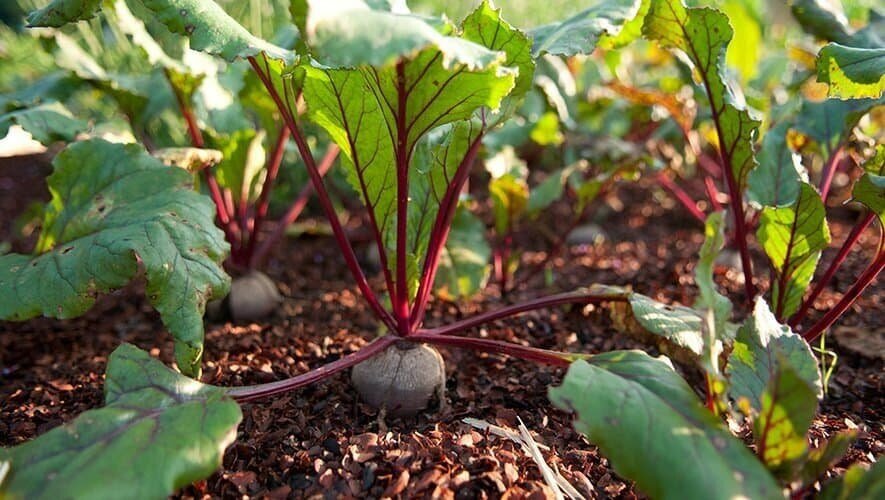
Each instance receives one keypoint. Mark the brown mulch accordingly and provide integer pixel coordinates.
(321, 441)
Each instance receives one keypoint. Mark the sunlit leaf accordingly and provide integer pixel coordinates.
(414, 85)
(789, 403)
(242, 161)
(747, 47)
(710, 298)
(510, 196)
(546, 130)
(852, 72)
(703, 35)
(761, 345)
(793, 238)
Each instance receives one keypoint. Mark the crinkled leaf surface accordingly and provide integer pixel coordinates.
(648, 421)
(464, 264)
(381, 113)
(870, 188)
(703, 34)
(47, 122)
(789, 403)
(793, 237)
(777, 179)
(159, 431)
(114, 209)
(761, 345)
(61, 12)
(579, 33)
(211, 29)
(852, 72)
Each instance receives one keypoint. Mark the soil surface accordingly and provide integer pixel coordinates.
(322, 442)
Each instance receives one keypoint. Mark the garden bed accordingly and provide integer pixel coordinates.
(320, 440)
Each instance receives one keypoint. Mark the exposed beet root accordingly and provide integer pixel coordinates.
(252, 296)
(401, 379)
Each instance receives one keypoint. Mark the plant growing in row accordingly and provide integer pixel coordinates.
(766, 369)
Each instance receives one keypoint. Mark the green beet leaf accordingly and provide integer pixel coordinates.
(793, 237)
(703, 35)
(853, 63)
(789, 403)
(158, 431)
(211, 29)
(116, 209)
(580, 33)
(776, 181)
(405, 111)
(761, 346)
(648, 421)
(61, 12)
(464, 264)
(852, 72)
(47, 122)
(870, 188)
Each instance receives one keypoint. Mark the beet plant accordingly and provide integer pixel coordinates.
(408, 100)
(185, 108)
